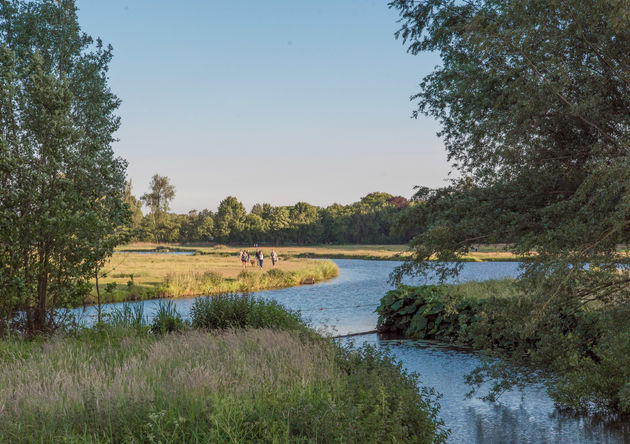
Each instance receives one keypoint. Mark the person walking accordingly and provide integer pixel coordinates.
(244, 259)
(260, 259)
(274, 257)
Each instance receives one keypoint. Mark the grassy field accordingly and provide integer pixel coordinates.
(117, 382)
(369, 252)
(133, 276)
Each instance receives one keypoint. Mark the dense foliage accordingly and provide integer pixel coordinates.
(158, 199)
(534, 101)
(583, 355)
(117, 383)
(61, 187)
(372, 220)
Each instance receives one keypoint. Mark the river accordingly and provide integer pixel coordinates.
(346, 305)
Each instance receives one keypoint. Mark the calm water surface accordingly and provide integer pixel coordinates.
(346, 305)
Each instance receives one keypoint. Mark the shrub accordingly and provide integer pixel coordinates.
(207, 282)
(110, 287)
(402, 410)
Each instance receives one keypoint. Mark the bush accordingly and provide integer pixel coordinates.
(167, 319)
(402, 410)
(478, 314)
(232, 310)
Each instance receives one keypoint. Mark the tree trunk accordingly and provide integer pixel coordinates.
(98, 297)
(39, 321)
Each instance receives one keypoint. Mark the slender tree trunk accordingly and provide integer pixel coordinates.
(42, 293)
(98, 297)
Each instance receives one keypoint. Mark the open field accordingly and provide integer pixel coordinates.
(368, 252)
(133, 276)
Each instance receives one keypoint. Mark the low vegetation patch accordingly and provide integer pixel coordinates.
(217, 383)
(204, 283)
(465, 314)
(583, 354)
(242, 311)
(151, 276)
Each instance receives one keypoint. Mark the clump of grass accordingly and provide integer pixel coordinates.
(167, 319)
(278, 278)
(480, 291)
(324, 270)
(242, 311)
(248, 280)
(128, 316)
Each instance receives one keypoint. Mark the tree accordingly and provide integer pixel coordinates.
(61, 187)
(304, 222)
(368, 221)
(205, 226)
(255, 228)
(230, 220)
(534, 101)
(135, 206)
(280, 222)
(158, 199)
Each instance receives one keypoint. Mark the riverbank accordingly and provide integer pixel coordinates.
(269, 379)
(484, 253)
(133, 277)
(582, 355)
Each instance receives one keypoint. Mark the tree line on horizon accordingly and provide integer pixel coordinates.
(374, 219)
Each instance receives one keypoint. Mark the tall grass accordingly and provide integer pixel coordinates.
(167, 319)
(242, 311)
(195, 284)
(480, 291)
(134, 277)
(257, 385)
(128, 316)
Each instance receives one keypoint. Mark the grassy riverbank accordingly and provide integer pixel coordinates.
(484, 253)
(583, 353)
(130, 276)
(271, 379)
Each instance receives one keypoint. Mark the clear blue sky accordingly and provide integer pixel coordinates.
(270, 101)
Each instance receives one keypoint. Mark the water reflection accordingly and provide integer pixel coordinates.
(519, 417)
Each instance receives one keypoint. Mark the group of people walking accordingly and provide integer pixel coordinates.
(245, 258)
